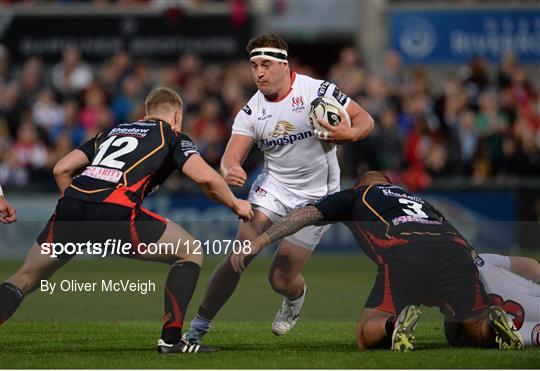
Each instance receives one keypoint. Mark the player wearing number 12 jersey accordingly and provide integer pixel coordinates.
(121, 166)
(422, 260)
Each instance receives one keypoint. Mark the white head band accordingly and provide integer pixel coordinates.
(274, 54)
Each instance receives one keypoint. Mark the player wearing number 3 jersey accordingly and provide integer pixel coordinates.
(422, 260)
(120, 167)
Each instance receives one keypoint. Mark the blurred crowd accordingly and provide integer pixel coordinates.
(481, 123)
(120, 3)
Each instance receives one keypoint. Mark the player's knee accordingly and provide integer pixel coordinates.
(535, 269)
(368, 338)
(194, 256)
(360, 341)
(280, 280)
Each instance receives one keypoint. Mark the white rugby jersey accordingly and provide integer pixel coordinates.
(294, 157)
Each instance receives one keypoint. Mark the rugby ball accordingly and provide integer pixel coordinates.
(328, 109)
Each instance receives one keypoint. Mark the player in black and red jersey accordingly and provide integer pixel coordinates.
(422, 260)
(120, 167)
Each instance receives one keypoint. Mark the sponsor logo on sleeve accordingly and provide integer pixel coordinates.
(340, 97)
(188, 147)
(246, 109)
(478, 261)
(322, 89)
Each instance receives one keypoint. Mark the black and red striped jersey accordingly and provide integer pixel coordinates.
(129, 161)
(385, 216)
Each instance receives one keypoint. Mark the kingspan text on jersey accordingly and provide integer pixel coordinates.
(287, 139)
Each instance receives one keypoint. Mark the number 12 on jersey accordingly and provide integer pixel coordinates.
(127, 144)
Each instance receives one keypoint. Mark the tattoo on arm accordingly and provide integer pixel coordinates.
(293, 222)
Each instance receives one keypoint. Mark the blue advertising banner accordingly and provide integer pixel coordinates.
(457, 36)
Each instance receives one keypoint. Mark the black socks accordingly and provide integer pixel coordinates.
(179, 289)
(10, 299)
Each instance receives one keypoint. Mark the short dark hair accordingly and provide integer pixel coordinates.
(162, 99)
(272, 40)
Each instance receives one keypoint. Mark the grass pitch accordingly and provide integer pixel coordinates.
(120, 330)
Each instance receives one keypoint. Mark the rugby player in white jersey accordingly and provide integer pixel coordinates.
(512, 283)
(299, 168)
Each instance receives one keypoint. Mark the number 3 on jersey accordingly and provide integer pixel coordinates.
(127, 144)
(413, 208)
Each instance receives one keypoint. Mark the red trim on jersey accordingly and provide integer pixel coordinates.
(143, 191)
(135, 187)
(178, 318)
(133, 231)
(388, 303)
(368, 242)
(479, 302)
(393, 241)
(154, 215)
(50, 235)
(119, 197)
(461, 241)
(279, 99)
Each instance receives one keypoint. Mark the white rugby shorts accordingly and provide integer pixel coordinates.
(518, 296)
(275, 201)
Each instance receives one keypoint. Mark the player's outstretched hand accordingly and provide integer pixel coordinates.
(243, 209)
(237, 261)
(236, 176)
(341, 133)
(8, 214)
